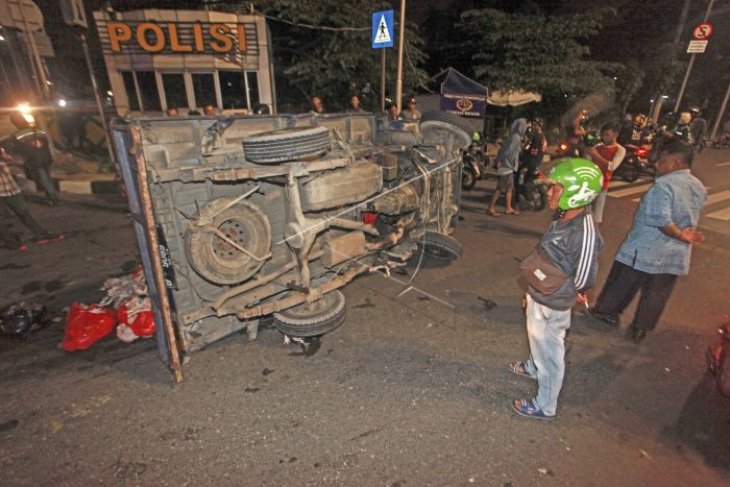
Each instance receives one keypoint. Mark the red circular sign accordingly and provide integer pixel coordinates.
(702, 32)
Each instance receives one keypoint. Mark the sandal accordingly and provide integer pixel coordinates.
(530, 409)
(493, 213)
(520, 369)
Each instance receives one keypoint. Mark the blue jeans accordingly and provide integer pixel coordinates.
(45, 183)
(546, 331)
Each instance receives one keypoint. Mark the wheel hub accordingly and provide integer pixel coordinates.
(234, 231)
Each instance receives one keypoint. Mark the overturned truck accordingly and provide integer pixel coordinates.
(245, 218)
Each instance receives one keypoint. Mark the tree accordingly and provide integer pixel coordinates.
(534, 51)
(323, 47)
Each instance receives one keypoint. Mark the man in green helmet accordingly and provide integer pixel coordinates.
(562, 267)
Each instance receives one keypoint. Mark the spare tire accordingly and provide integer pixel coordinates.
(284, 145)
(217, 260)
(437, 126)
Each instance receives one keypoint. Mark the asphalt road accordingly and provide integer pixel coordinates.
(411, 391)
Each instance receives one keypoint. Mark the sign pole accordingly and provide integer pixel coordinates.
(401, 42)
(97, 97)
(684, 82)
(691, 63)
(382, 38)
(382, 80)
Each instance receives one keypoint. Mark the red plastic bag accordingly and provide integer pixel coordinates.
(143, 324)
(86, 325)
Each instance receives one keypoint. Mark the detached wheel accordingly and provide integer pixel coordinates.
(284, 145)
(313, 319)
(439, 246)
(437, 127)
(219, 260)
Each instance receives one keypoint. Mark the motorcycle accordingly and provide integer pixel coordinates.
(475, 162)
(635, 162)
(718, 360)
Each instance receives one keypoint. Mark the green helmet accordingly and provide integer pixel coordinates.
(581, 181)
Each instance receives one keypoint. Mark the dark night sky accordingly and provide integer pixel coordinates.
(637, 22)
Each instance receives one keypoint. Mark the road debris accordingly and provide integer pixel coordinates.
(126, 307)
(21, 319)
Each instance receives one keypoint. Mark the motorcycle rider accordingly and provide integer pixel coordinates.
(697, 129)
(607, 155)
(532, 155)
(681, 130)
(563, 266)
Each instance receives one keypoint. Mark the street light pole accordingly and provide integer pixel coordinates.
(691, 63)
(401, 43)
(720, 113)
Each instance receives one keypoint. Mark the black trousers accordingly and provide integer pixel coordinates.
(622, 285)
(16, 204)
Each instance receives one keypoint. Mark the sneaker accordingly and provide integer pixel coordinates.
(611, 319)
(636, 335)
(47, 238)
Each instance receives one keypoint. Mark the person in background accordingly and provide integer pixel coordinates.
(317, 107)
(626, 130)
(531, 157)
(638, 130)
(698, 129)
(210, 110)
(575, 132)
(568, 252)
(355, 106)
(393, 113)
(411, 114)
(681, 130)
(507, 163)
(34, 147)
(607, 155)
(13, 200)
(658, 247)
(172, 111)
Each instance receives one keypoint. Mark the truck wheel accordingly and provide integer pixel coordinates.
(439, 246)
(434, 123)
(313, 319)
(284, 145)
(217, 260)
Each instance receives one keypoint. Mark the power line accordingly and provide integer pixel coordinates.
(317, 27)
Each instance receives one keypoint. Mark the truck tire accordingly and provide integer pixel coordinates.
(313, 319)
(434, 123)
(285, 145)
(217, 260)
(439, 246)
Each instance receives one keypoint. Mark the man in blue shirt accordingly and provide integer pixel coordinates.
(658, 246)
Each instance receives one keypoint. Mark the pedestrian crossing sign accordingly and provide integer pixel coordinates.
(382, 29)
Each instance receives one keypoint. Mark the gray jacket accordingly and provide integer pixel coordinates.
(508, 156)
(574, 247)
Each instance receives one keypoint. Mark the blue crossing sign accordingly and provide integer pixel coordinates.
(382, 29)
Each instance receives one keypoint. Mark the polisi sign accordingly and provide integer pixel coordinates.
(176, 37)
